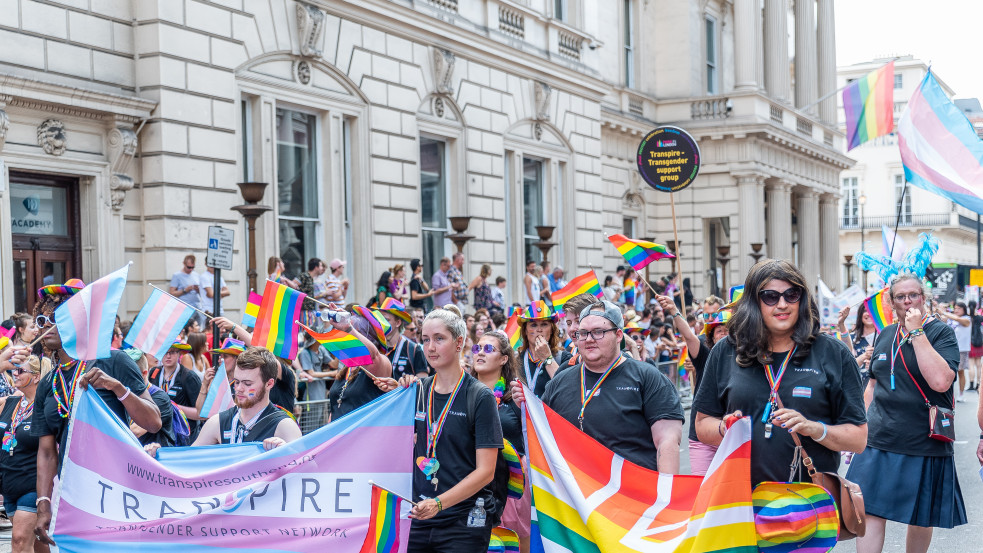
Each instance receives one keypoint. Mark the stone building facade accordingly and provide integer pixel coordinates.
(126, 124)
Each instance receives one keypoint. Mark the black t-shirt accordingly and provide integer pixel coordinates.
(465, 431)
(536, 375)
(416, 285)
(899, 417)
(284, 391)
(620, 416)
(360, 390)
(165, 436)
(407, 359)
(47, 421)
(183, 391)
(824, 387)
(511, 417)
(18, 470)
(699, 365)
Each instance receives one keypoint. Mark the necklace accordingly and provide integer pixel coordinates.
(65, 395)
(350, 377)
(774, 381)
(24, 411)
(585, 396)
(435, 427)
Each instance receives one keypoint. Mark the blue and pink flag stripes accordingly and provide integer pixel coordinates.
(940, 150)
(86, 321)
(294, 495)
(219, 397)
(158, 324)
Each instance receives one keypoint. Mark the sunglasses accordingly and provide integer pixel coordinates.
(43, 321)
(771, 297)
(489, 348)
(189, 267)
(19, 371)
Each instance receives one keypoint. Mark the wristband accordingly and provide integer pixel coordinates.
(124, 396)
(676, 314)
(40, 499)
(823, 437)
(549, 360)
(915, 333)
(440, 506)
(720, 427)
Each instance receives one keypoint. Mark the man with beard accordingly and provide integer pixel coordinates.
(254, 419)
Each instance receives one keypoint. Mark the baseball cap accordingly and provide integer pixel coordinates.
(611, 312)
(336, 263)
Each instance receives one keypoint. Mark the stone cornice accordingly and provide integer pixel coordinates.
(73, 101)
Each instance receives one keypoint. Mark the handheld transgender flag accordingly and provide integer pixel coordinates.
(880, 310)
(252, 309)
(86, 321)
(219, 397)
(383, 534)
(349, 350)
(638, 253)
(868, 106)
(158, 324)
(891, 241)
(939, 147)
(379, 323)
(275, 322)
(583, 284)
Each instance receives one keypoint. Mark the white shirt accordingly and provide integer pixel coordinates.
(207, 281)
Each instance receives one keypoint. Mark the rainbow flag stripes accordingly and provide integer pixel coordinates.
(503, 540)
(349, 350)
(638, 253)
(383, 535)
(868, 105)
(275, 321)
(880, 310)
(630, 290)
(798, 517)
(513, 331)
(584, 284)
(252, 310)
(379, 323)
(517, 480)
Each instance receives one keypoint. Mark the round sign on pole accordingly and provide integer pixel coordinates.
(668, 159)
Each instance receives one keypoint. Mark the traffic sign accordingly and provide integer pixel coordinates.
(220, 241)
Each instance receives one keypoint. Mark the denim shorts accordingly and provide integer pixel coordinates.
(26, 503)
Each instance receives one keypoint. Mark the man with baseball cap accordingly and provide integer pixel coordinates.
(405, 355)
(336, 286)
(630, 407)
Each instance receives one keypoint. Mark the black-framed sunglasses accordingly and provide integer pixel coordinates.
(489, 348)
(43, 320)
(771, 297)
(596, 334)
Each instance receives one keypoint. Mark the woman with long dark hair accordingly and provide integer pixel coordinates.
(382, 288)
(779, 369)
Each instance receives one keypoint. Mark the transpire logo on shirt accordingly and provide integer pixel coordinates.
(809, 370)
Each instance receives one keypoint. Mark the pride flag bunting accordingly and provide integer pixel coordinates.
(383, 534)
(638, 253)
(880, 310)
(512, 330)
(868, 106)
(86, 320)
(252, 309)
(158, 324)
(219, 397)
(379, 323)
(275, 328)
(349, 350)
(583, 284)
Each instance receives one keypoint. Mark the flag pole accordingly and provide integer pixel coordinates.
(675, 235)
(38, 339)
(897, 221)
(321, 303)
(383, 488)
(207, 316)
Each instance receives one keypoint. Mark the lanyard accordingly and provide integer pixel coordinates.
(531, 378)
(585, 396)
(774, 381)
(166, 386)
(900, 337)
(397, 352)
(65, 397)
(239, 429)
(435, 428)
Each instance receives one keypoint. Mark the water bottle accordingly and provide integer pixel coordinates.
(336, 317)
(476, 518)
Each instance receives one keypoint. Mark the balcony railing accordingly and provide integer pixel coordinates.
(907, 221)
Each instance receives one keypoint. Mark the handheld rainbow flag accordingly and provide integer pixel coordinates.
(517, 477)
(683, 353)
(86, 320)
(252, 309)
(383, 535)
(379, 323)
(279, 311)
(512, 330)
(503, 540)
(349, 350)
(880, 310)
(736, 292)
(630, 290)
(638, 253)
(219, 397)
(868, 106)
(158, 324)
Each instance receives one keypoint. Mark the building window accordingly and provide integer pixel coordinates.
(898, 81)
(247, 140)
(560, 10)
(902, 200)
(850, 203)
(533, 204)
(297, 188)
(628, 226)
(629, 32)
(433, 202)
(713, 85)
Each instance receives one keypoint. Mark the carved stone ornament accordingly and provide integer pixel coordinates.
(438, 107)
(51, 137)
(443, 70)
(541, 95)
(310, 27)
(303, 72)
(4, 127)
(122, 147)
(537, 130)
(634, 199)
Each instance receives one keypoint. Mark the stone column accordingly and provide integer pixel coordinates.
(826, 44)
(776, 49)
(805, 53)
(829, 245)
(746, 55)
(779, 240)
(807, 211)
(751, 220)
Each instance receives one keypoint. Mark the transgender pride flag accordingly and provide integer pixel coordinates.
(939, 148)
(310, 495)
(158, 324)
(86, 321)
(219, 397)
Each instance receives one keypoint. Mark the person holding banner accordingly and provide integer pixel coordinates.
(166, 436)
(181, 384)
(779, 368)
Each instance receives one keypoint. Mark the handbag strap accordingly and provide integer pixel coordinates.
(915, 382)
(806, 459)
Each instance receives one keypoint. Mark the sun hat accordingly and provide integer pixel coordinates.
(714, 320)
(396, 307)
(178, 344)
(231, 346)
(70, 288)
(336, 263)
(538, 310)
(794, 516)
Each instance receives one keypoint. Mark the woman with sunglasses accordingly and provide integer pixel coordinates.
(779, 369)
(19, 457)
(541, 354)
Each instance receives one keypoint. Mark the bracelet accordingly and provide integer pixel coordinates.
(40, 499)
(124, 396)
(233, 327)
(823, 437)
(440, 506)
(915, 333)
(720, 427)
(676, 314)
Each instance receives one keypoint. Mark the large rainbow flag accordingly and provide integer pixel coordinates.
(868, 106)
(276, 322)
(638, 253)
(588, 499)
(383, 534)
(880, 309)
(234, 497)
(583, 284)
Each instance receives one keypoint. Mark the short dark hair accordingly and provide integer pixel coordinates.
(499, 279)
(577, 303)
(259, 358)
(314, 263)
(414, 263)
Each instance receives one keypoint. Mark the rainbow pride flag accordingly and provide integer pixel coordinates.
(275, 321)
(252, 309)
(629, 287)
(868, 106)
(86, 321)
(880, 310)
(683, 353)
(517, 477)
(794, 516)
(383, 534)
(638, 253)
(379, 323)
(513, 331)
(503, 540)
(349, 350)
(584, 284)
(587, 498)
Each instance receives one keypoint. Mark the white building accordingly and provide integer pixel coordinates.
(872, 189)
(125, 124)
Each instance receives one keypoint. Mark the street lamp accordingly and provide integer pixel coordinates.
(862, 200)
